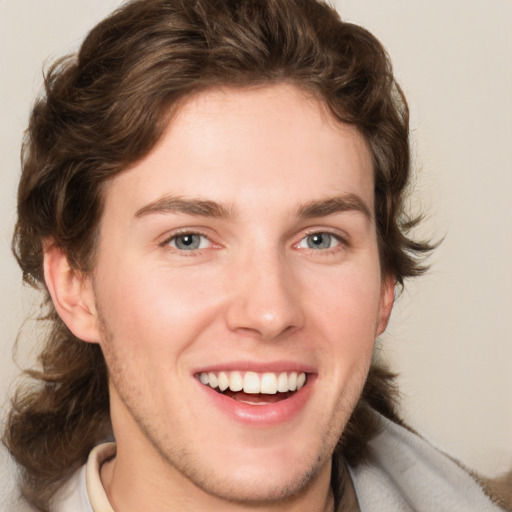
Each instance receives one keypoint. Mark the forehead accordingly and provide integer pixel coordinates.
(275, 143)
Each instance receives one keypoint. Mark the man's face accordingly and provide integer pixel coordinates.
(243, 247)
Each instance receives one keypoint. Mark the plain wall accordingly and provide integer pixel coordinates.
(451, 334)
(450, 337)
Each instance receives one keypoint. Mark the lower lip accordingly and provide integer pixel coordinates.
(262, 415)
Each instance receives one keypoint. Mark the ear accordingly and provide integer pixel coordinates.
(387, 299)
(72, 294)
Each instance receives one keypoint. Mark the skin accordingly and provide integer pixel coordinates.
(257, 290)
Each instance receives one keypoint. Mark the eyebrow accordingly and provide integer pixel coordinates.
(197, 207)
(332, 205)
(206, 208)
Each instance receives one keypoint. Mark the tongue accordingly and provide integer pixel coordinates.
(256, 398)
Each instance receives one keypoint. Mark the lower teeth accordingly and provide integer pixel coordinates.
(256, 398)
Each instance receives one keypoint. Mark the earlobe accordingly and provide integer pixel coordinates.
(387, 300)
(72, 294)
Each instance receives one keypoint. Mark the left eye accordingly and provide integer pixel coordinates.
(189, 242)
(319, 241)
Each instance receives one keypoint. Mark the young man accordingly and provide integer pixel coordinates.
(212, 198)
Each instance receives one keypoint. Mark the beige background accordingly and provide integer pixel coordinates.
(451, 332)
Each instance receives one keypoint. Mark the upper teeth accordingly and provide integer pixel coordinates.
(252, 382)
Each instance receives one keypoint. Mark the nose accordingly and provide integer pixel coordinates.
(265, 301)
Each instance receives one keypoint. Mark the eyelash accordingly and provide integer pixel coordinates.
(322, 234)
(166, 244)
(341, 242)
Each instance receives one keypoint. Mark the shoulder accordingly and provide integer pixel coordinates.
(73, 495)
(499, 489)
(13, 503)
(404, 471)
(84, 492)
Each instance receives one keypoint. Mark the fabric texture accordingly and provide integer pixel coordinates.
(84, 491)
(406, 473)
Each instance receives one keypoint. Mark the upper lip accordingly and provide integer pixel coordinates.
(257, 367)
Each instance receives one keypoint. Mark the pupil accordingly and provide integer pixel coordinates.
(319, 241)
(188, 242)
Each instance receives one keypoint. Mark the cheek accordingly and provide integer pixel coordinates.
(151, 309)
(352, 293)
(346, 309)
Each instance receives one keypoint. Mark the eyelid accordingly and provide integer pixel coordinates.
(166, 242)
(342, 237)
(304, 242)
(173, 242)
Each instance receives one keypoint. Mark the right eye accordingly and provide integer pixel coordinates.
(319, 241)
(188, 242)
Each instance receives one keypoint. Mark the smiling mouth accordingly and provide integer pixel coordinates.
(254, 388)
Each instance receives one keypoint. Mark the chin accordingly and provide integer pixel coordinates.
(250, 476)
(260, 485)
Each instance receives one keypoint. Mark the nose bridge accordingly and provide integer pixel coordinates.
(264, 301)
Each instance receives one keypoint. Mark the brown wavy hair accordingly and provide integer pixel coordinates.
(105, 108)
